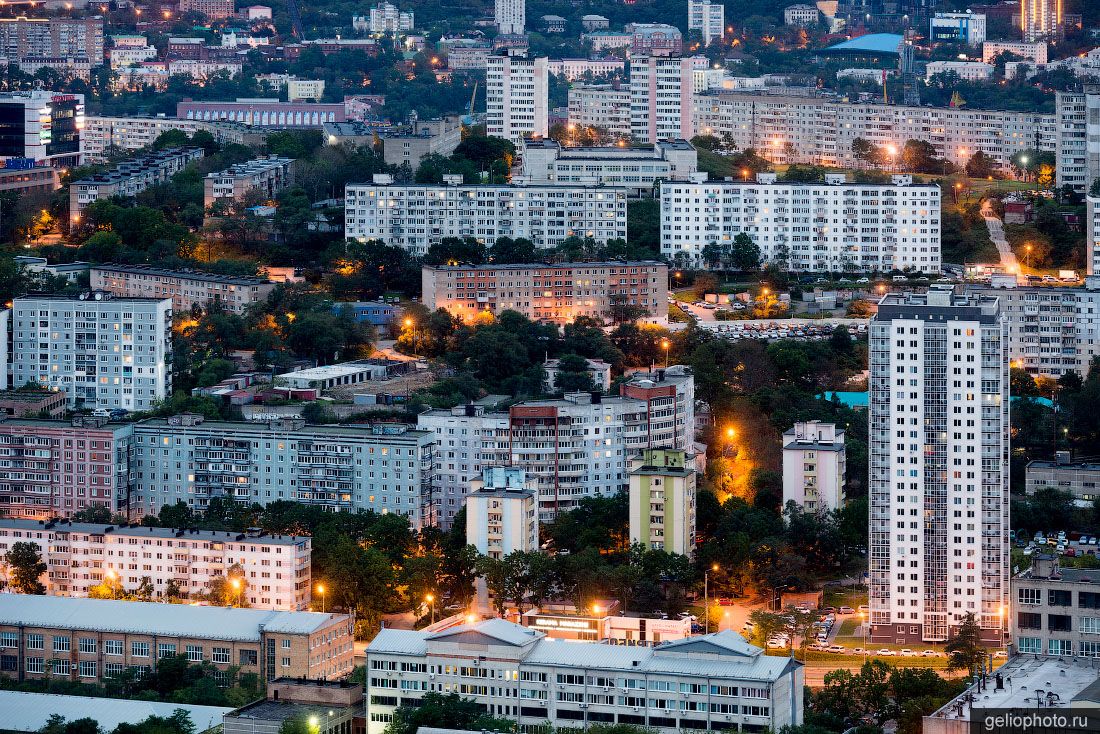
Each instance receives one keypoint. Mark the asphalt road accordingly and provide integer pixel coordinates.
(997, 234)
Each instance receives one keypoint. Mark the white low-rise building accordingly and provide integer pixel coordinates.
(636, 169)
(597, 369)
(804, 16)
(814, 462)
(970, 71)
(573, 69)
(78, 556)
(416, 216)
(1033, 51)
(713, 682)
(834, 225)
(968, 28)
(329, 376)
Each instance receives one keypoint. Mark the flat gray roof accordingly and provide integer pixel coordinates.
(141, 531)
(185, 273)
(30, 712)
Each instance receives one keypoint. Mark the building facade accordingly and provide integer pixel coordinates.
(385, 468)
(502, 517)
(555, 293)
(835, 225)
(661, 93)
(510, 16)
(713, 682)
(78, 556)
(814, 462)
(968, 28)
(516, 103)
(662, 501)
(91, 640)
(415, 216)
(606, 106)
(708, 18)
(1031, 50)
(186, 288)
(102, 350)
(1041, 20)
(654, 39)
(387, 20)
(969, 71)
(804, 16)
(263, 112)
(636, 169)
(939, 451)
(574, 69)
(1056, 611)
(820, 130)
(266, 176)
(66, 40)
(1081, 479)
(212, 9)
(129, 178)
(421, 138)
(57, 468)
(41, 128)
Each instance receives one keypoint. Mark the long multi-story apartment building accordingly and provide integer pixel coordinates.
(129, 178)
(820, 130)
(78, 556)
(267, 176)
(1077, 152)
(416, 216)
(186, 288)
(604, 106)
(717, 682)
(263, 112)
(102, 134)
(91, 640)
(516, 102)
(55, 468)
(102, 350)
(835, 225)
(1052, 330)
(939, 452)
(385, 468)
(1081, 479)
(41, 128)
(661, 94)
(637, 169)
(62, 39)
(576, 446)
(212, 9)
(1055, 611)
(573, 68)
(558, 293)
(1092, 235)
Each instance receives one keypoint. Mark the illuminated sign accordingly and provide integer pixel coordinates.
(18, 164)
(559, 623)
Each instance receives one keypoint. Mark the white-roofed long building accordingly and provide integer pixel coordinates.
(92, 639)
(715, 682)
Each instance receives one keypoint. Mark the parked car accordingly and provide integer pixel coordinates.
(907, 653)
(836, 648)
(885, 652)
(847, 610)
(929, 654)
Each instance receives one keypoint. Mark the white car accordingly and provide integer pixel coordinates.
(930, 654)
(884, 652)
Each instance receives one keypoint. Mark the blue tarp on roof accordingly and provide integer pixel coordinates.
(872, 43)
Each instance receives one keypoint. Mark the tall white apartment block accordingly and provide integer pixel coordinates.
(81, 555)
(387, 19)
(1092, 135)
(835, 225)
(516, 95)
(939, 452)
(605, 106)
(802, 15)
(814, 461)
(662, 501)
(1071, 148)
(1041, 20)
(709, 18)
(510, 16)
(415, 216)
(968, 28)
(502, 517)
(821, 131)
(102, 350)
(1092, 236)
(661, 89)
(713, 682)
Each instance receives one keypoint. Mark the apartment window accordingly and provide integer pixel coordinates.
(194, 653)
(1032, 645)
(286, 662)
(286, 644)
(1060, 598)
(1090, 625)
(1029, 621)
(87, 668)
(139, 649)
(220, 655)
(1059, 647)
(112, 647)
(62, 643)
(88, 645)
(1031, 596)
(9, 639)
(113, 670)
(249, 657)
(36, 665)
(166, 649)
(36, 641)
(61, 666)
(1088, 600)
(1059, 623)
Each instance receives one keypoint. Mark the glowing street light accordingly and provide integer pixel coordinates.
(665, 344)
(321, 591)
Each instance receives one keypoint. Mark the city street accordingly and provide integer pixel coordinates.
(997, 234)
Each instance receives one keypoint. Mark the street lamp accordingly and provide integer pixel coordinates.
(665, 344)
(706, 597)
(430, 599)
(410, 324)
(321, 591)
(1028, 257)
(730, 433)
(236, 584)
(863, 626)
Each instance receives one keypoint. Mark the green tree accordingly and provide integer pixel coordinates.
(25, 568)
(981, 165)
(744, 253)
(447, 711)
(965, 650)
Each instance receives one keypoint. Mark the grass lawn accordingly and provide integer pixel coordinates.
(840, 596)
(848, 628)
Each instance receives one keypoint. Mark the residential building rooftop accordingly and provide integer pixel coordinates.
(141, 531)
(187, 273)
(31, 712)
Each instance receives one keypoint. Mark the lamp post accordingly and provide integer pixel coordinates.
(665, 344)
(706, 597)
(321, 591)
(1027, 257)
(411, 326)
(236, 584)
(863, 626)
(430, 599)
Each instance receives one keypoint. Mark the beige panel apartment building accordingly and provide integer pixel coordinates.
(186, 288)
(557, 293)
(276, 568)
(89, 640)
